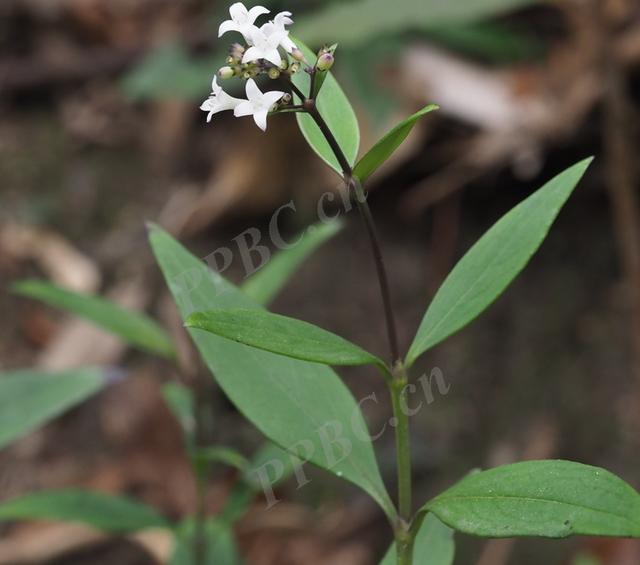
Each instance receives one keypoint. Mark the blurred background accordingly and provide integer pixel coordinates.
(101, 131)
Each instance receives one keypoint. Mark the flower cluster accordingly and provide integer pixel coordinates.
(267, 50)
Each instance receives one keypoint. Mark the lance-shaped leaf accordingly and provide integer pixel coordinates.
(384, 148)
(282, 335)
(264, 284)
(101, 511)
(303, 407)
(337, 112)
(552, 499)
(135, 328)
(31, 398)
(493, 262)
(433, 545)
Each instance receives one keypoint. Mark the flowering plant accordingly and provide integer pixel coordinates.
(541, 498)
(279, 372)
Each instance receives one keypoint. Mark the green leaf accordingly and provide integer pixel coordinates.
(220, 544)
(263, 285)
(357, 22)
(493, 262)
(282, 335)
(31, 398)
(225, 455)
(179, 399)
(294, 403)
(552, 499)
(101, 511)
(336, 110)
(434, 545)
(136, 329)
(383, 149)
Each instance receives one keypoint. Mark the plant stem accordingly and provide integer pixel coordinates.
(403, 447)
(404, 552)
(404, 536)
(367, 218)
(297, 91)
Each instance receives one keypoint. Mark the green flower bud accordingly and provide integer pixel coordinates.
(250, 71)
(273, 73)
(226, 72)
(294, 68)
(325, 62)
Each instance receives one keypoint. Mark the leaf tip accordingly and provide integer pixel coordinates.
(152, 227)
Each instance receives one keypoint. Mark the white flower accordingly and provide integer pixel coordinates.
(242, 20)
(219, 101)
(258, 105)
(279, 22)
(264, 43)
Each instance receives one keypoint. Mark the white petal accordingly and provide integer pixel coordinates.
(261, 119)
(215, 89)
(228, 25)
(283, 18)
(255, 12)
(212, 108)
(254, 94)
(245, 108)
(227, 102)
(287, 44)
(268, 28)
(249, 31)
(251, 54)
(273, 56)
(270, 98)
(238, 12)
(206, 105)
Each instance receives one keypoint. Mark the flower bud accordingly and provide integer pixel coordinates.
(236, 52)
(294, 68)
(325, 62)
(226, 72)
(286, 99)
(298, 55)
(273, 72)
(250, 72)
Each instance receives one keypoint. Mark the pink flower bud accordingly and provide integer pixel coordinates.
(325, 62)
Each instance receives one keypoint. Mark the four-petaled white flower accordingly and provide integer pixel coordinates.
(264, 44)
(242, 20)
(258, 105)
(218, 101)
